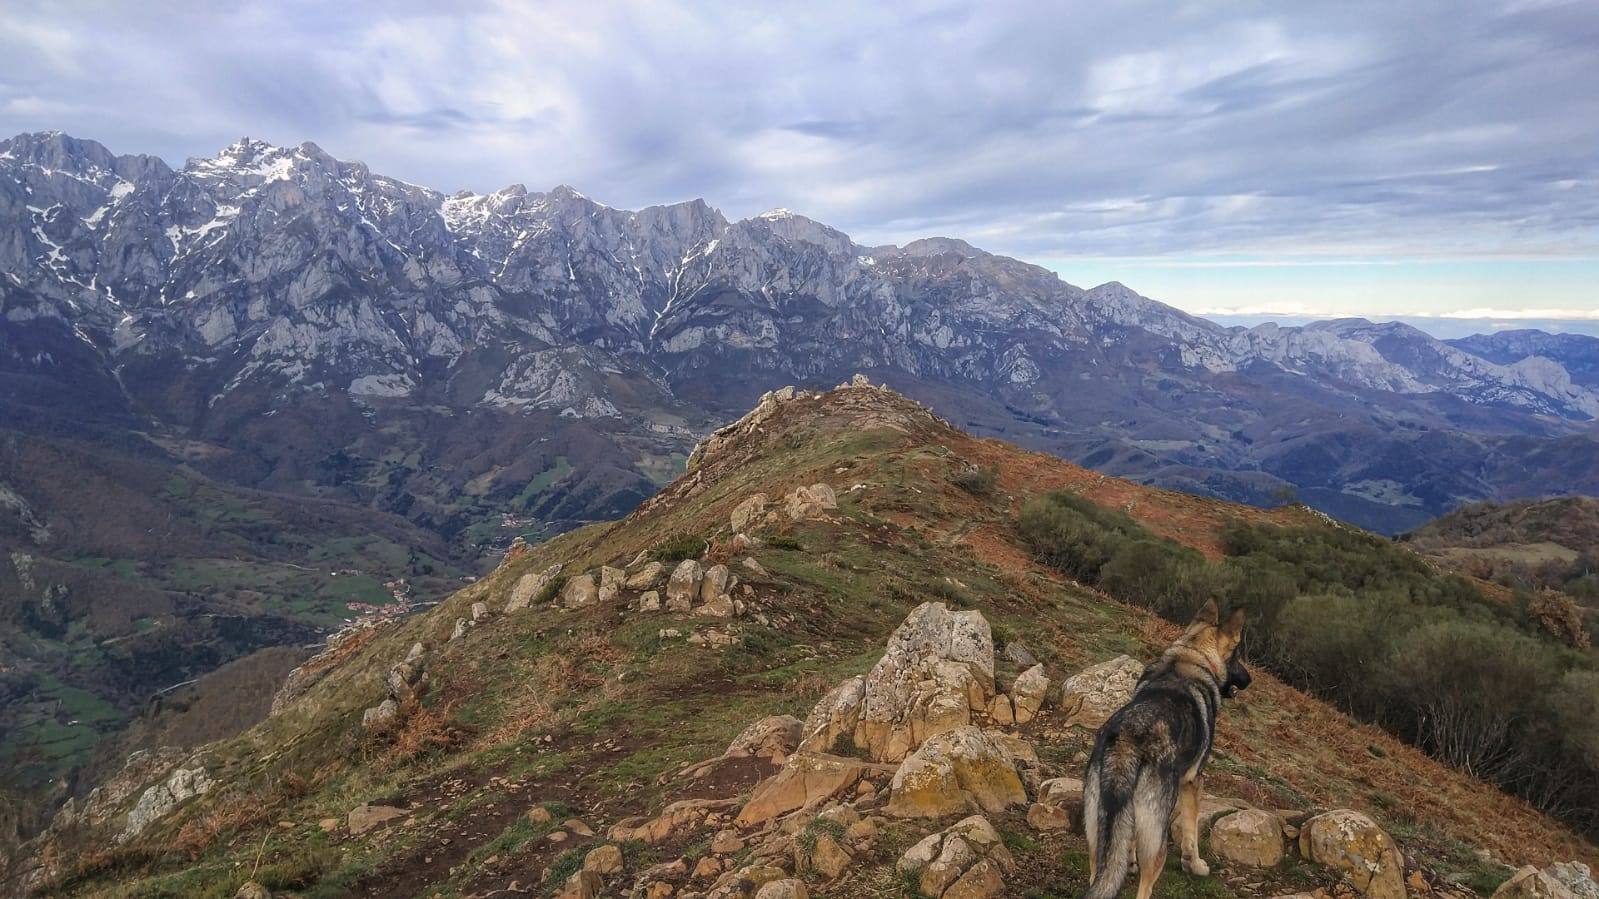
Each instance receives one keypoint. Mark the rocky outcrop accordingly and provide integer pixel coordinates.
(805, 779)
(179, 786)
(1531, 883)
(835, 717)
(1027, 693)
(772, 738)
(529, 586)
(965, 861)
(580, 592)
(381, 717)
(647, 577)
(748, 513)
(814, 501)
(683, 588)
(364, 817)
(938, 669)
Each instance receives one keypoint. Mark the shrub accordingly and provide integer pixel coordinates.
(1461, 690)
(1373, 627)
(678, 547)
(976, 481)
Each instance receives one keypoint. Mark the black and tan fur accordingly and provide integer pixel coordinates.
(1148, 757)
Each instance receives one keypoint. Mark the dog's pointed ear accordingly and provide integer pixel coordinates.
(1207, 614)
(1234, 630)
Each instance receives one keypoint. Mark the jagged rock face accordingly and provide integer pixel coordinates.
(285, 270)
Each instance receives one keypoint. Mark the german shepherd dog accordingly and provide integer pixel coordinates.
(1148, 757)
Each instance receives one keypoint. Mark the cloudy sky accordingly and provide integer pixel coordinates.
(1385, 158)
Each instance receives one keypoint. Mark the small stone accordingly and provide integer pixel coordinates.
(1046, 816)
(538, 814)
(660, 889)
(787, 888)
(363, 818)
(558, 836)
(603, 861)
(707, 868)
(328, 825)
(578, 827)
(726, 842)
(253, 890)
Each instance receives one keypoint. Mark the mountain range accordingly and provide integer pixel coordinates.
(247, 399)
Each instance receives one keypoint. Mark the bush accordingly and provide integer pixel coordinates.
(1073, 535)
(678, 547)
(1461, 689)
(1371, 626)
(977, 481)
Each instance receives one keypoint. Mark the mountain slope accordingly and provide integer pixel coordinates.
(214, 292)
(588, 706)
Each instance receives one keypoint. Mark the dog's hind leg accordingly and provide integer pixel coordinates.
(1187, 821)
(1152, 809)
(1091, 821)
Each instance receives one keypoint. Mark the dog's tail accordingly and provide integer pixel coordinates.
(1108, 812)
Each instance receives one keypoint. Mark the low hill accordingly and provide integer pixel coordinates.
(850, 559)
(1538, 546)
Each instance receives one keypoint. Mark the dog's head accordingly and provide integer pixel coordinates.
(1217, 643)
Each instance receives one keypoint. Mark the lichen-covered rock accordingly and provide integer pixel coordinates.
(683, 588)
(714, 583)
(1103, 689)
(787, 888)
(646, 578)
(1531, 883)
(480, 611)
(675, 820)
(805, 778)
(773, 738)
(580, 591)
(528, 587)
(154, 803)
(748, 512)
(611, 576)
(1047, 816)
(964, 769)
(381, 716)
(1001, 711)
(937, 670)
(968, 860)
(834, 717)
(1353, 843)
(604, 861)
(1252, 838)
(1576, 877)
(809, 502)
(1027, 693)
(363, 818)
(649, 601)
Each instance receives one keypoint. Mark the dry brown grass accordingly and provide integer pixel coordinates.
(238, 811)
(577, 666)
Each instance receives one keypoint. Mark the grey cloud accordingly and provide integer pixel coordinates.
(1039, 129)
